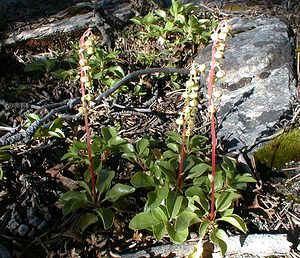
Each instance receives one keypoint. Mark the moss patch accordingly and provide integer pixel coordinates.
(281, 150)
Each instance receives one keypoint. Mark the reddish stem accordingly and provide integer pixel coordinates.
(182, 154)
(211, 77)
(86, 118)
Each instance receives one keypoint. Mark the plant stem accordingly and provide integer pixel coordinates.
(211, 78)
(182, 154)
(86, 118)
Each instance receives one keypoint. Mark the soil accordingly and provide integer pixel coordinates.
(31, 221)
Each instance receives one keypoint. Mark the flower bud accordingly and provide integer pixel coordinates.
(81, 110)
(218, 54)
(193, 95)
(83, 62)
(195, 88)
(90, 50)
(187, 110)
(220, 73)
(193, 103)
(218, 94)
(225, 29)
(222, 36)
(188, 132)
(214, 36)
(179, 121)
(89, 42)
(212, 109)
(193, 71)
(185, 95)
(190, 83)
(221, 47)
(88, 85)
(202, 68)
(86, 68)
(84, 79)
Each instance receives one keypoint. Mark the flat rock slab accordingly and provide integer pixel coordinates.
(260, 81)
(250, 246)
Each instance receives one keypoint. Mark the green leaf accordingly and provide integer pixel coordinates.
(194, 191)
(173, 204)
(245, 178)
(169, 154)
(160, 213)
(196, 141)
(203, 228)
(159, 231)
(79, 145)
(141, 179)
(116, 141)
(73, 204)
(177, 237)
(142, 147)
(1, 172)
(136, 20)
(219, 181)
(84, 221)
(57, 133)
(198, 170)
(85, 186)
(184, 220)
(228, 164)
(108, 133)
(220, 238)
(107, 216)
(236, 221)
(225, 200)
(157, 196)
(143, 220)
(32, 117)
(104, 179)
(204, 203)
(193, 21)
(161, 14)
(127, 148)
(174, 147)
(118, 191)
(173, 136)
(181, 18)
(3, 154)
(167, 168)
(117, 70)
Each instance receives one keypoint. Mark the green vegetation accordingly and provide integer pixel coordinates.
(184, 186)
(283, 149)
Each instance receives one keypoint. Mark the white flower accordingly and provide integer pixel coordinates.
(214, 36)
(218, 54)
(193, 71)
(82, 62)
(185, 95)
(179, 121)
(212, 109)
(222, 36)
(225, 29)
(193, 95)
(218, 94)
(193, 103)
(202, 68)
(190, 83)
(220, 73)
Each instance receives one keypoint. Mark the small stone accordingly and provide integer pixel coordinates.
(22, 229)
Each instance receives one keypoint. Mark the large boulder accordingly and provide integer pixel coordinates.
(260, 81)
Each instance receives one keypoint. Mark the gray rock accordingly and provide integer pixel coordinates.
(260, 82)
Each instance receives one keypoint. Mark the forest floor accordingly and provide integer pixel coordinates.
(31, 220)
